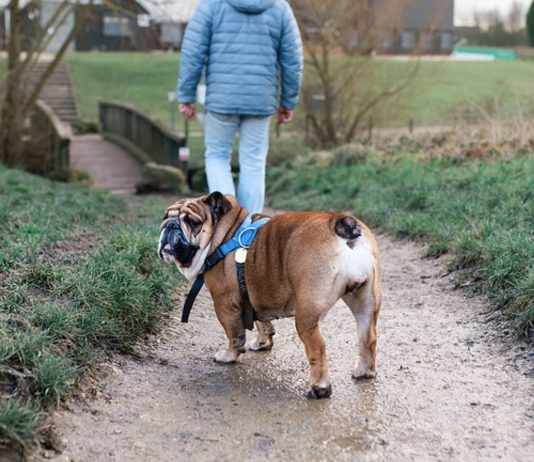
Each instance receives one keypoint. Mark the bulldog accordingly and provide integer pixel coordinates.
(300, 264)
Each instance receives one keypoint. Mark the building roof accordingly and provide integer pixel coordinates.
(170, 10)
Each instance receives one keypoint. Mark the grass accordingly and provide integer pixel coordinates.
(78, 277)
(482, 212)
(440, 93)
(141, 79)
(444, 92)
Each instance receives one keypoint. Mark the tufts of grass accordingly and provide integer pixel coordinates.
(53, 374)
(66, 296)
(60, 322)
(482, 212)
(33, 218)
(30, 345)
(20, 421)
(42, 276)
(120, 291)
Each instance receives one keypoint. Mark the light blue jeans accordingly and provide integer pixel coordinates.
(219, 133)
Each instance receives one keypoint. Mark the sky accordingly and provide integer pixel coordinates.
(464, 8)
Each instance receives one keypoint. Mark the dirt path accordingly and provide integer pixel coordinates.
(450, 387)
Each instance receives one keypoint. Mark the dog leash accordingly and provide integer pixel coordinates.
(241, 241)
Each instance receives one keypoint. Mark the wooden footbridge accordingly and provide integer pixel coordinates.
(114, 157)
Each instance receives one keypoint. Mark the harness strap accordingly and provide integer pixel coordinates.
(242, 239)
(191, 296)
(247, 313)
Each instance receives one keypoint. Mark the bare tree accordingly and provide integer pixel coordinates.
(499, 29)
(18, 97)
(516, 17)
(344, 83)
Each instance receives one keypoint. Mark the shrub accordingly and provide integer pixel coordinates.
(285, 150)
(158, 177)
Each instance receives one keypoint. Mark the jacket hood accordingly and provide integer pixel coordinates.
(251, 6)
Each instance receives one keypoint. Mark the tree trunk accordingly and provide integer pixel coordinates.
(11, 119)
(329, 122)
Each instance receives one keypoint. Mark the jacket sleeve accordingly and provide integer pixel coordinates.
(195, 48)
(290, 57)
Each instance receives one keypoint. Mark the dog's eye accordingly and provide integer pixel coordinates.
(194, 225)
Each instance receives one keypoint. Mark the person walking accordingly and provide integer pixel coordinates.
(251, 52)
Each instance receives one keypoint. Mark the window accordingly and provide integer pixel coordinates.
(408, 40)
(447, 39)
(116, 25)
(143, 20)
(388, 40)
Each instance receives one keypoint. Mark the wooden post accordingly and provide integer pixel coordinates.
(370, 127)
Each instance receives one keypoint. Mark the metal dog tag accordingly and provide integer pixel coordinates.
(240, 255)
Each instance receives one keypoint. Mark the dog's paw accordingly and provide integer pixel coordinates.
(261, 344)
(363, 374)
(320, 391)
(225, 357)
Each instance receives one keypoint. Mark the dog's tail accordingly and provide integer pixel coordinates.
(348, 228)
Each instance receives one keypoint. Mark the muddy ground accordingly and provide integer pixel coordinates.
(452, 385)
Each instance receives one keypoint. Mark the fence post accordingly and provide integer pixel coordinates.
(370, 127)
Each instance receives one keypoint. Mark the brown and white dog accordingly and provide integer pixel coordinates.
(300, 264)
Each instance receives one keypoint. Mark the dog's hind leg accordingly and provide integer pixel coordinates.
(308, 329)
(230, 318)
(264, 337)
(364, 303)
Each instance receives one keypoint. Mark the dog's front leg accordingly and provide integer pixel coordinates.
(308, 330)
(230, 318)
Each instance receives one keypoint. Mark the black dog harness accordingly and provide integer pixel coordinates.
(240, 242)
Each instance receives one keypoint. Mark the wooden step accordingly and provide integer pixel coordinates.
(58, 91)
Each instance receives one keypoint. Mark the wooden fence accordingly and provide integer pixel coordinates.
(49, 144)
(141, 135)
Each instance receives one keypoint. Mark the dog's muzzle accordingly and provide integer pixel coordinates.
(174, 246)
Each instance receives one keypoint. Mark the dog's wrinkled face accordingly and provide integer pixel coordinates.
(187, 229)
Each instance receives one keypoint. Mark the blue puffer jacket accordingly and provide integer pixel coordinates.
(250, 48)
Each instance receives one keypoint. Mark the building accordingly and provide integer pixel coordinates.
(125, 25)
(406, 27)
(418, 26)
(171, 20)
(427, 27)
(116, 25)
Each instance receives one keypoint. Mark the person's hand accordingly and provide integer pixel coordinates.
(284, 115)
(188, 110)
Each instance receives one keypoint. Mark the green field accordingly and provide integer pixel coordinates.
(78, 277)
(441, 92)
(482, 212)
(141, 79)
(463, 91)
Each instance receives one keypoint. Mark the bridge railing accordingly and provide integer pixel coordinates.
(49, 144)
(142, 135)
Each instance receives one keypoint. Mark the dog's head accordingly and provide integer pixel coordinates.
(188, 228)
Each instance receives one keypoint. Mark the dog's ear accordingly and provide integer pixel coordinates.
(218, 204)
